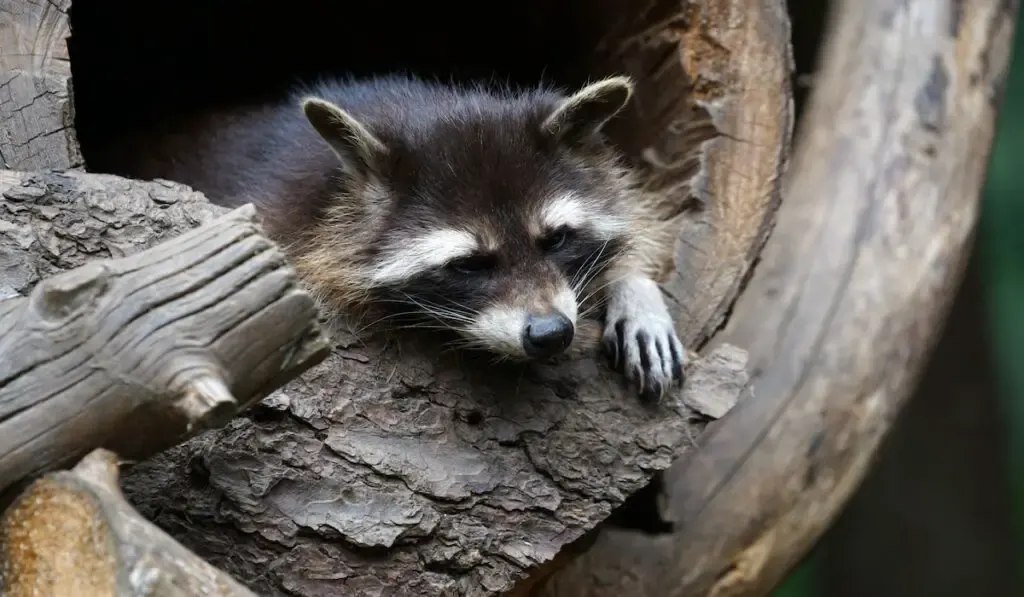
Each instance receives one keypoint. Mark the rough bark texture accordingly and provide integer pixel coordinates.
(141, 351)
(427, 473)
(852, 291)
(35, 105)
(72, 533)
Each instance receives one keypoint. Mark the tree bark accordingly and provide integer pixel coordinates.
(840, 316)
(372, 472)
(73, 534)
(36, 111)
(137, 352)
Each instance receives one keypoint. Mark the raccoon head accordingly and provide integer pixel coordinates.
(488, 215)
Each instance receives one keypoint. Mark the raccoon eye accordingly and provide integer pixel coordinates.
(556, 239)
(473, 264)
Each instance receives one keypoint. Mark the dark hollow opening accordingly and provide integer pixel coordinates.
(136, 65)
(139, 65)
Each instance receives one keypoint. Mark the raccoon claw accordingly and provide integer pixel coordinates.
(648, 353)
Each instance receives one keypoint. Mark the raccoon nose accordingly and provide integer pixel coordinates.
(547, 335)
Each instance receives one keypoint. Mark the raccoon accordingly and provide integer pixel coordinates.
(505, 217)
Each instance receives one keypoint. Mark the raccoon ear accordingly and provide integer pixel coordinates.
(584, 113)
(357, 148)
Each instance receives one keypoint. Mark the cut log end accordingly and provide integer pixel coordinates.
(72, 533)
(54, 542)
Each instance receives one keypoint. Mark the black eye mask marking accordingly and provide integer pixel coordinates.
(480, 263)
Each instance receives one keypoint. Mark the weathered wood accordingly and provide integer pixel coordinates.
(72, 534)
(852, 291)
(940, 493)
(713, 118)
(711, 125)
(376, 470)
(36, 112)
(135, 352)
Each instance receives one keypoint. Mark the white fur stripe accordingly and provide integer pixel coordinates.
(572, 211)
(417, 254)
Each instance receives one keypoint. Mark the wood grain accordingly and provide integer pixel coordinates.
(710, 125)
(36, 111)
(143, 350)
(854, 287)
(852, 291)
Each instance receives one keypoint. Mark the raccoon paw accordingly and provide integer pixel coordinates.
(641, 341)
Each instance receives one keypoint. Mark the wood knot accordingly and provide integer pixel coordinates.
(65, 296)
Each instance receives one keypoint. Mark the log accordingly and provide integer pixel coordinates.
(72, 533)
(135, 352)
(36, 110)
(710, 129)
(941, 491)
(375, 470)
(851, 294)
(713, 100)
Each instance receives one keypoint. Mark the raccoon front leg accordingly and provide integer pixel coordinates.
(640, 336)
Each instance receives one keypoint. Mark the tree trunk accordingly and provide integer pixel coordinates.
(36, 112)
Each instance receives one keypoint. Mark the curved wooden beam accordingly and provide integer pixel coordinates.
(852, 292)
(855, 284)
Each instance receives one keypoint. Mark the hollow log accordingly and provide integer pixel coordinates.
(378, 472)
(370, 470)
(710, 129)
(72, 533)
(852, 291)
(139, 351)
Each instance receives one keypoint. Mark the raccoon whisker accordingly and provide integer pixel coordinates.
(593, 292)
(586, 285)
(586, 282)
(379, 320)
(593, 307)
(578, 280)
(456, 312)
(421, 303)
(459, 344)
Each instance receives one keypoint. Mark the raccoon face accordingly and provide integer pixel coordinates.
(494, 220)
